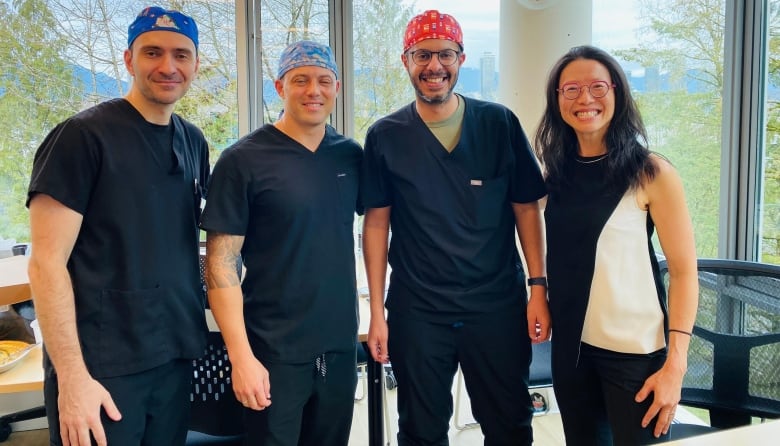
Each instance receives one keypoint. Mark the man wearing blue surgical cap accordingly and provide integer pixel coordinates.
(284, 198)
(114, 202)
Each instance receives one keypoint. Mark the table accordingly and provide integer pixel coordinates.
(15, 287)
(14, 284)
(374, 372)
(756, 434)
(25, 376)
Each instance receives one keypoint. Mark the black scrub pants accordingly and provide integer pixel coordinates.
(155, 406)
(308, 407)
(596, 397)
(493, 351)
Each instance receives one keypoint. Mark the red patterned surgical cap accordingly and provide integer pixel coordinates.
(432, 24)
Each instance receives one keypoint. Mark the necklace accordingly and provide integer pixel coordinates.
(590, 161)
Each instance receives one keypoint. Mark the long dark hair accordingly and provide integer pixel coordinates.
(626, 138)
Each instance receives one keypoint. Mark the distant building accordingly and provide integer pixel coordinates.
(487, 78)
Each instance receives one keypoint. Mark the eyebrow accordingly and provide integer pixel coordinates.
(160, 48)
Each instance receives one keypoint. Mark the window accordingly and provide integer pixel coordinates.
(672, 53)
(58, 57)
(768, 157)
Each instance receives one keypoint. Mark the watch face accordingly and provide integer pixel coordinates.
(537, 4)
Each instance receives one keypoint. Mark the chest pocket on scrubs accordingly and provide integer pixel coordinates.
(490, 200)
(347, 186)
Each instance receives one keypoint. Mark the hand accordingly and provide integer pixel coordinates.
(665, 385)
(251, 383)
(79, 402)
(538, 314)
(377, 340)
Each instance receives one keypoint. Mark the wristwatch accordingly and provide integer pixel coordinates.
(537, 281)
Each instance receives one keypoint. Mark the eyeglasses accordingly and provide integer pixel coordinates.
(597, 89)
(423, 57)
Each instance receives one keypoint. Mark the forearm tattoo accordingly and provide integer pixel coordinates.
(222, 252)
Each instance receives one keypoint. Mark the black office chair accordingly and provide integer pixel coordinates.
(734, 355)
(216, 415)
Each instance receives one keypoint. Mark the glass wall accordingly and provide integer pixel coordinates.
(672, 53)
(687, 62)
(768, 196)
(58, 57)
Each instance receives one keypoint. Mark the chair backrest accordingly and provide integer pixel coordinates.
(214, 408)
(734, 355)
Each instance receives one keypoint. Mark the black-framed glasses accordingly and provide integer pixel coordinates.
(423, 57)
(597, 89)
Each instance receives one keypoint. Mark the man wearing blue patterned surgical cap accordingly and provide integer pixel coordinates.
(114, 200)
(284, 199)
(306, 52)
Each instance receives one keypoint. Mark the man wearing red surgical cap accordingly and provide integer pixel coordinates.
(457, 178)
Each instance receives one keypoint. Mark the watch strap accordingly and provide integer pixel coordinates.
(541, 281)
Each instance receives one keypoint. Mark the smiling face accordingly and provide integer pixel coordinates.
(163, 65)
(588, 116)
(309, 95)
(433, 83)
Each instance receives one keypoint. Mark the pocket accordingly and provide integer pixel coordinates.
(490, 200)
(133, 326)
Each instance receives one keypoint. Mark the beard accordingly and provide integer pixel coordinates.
(439, 98)
(433, 100)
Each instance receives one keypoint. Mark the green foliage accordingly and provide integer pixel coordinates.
(684, 40)
(770, 215)
(381, 82)
(38, 50)
(37, 93)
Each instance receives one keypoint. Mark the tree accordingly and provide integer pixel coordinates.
(381, 82)
(36, 92)
(681, 48)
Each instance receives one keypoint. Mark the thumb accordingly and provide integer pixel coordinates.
(111, 410)
(643, 393)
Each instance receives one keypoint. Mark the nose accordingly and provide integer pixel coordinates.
(585, 94)
(313, 88)
(168, 63)
(435, 61)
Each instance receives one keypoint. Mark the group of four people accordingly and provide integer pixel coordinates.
(115, 198)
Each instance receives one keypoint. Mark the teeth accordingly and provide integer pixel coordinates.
(588, 114)
(434, 79)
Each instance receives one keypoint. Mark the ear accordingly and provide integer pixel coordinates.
(128, 56)
(279, 85)
(405, 60)
(338, 86)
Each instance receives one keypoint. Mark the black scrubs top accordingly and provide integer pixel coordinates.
(134, 267)
(452, 248)
(296, 210)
